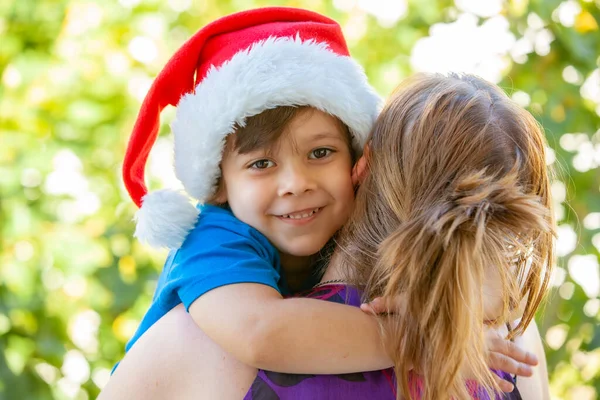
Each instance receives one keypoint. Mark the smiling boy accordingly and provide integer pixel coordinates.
(265, 142)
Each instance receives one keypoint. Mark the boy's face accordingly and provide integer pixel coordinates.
(297, 193)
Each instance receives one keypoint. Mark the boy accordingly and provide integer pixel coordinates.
(273, 193)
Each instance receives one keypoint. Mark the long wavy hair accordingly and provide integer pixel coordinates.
(457, 193)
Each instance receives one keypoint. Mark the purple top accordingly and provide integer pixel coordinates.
(375, 385)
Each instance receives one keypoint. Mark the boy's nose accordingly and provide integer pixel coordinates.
(296, 181)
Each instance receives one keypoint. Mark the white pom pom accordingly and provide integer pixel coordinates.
(165, 219)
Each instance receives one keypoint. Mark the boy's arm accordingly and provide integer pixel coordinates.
(226, 276)
(260, 328)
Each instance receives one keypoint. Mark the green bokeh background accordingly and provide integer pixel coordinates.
(73, 283)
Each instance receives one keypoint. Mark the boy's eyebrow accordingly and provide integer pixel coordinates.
(327, 135)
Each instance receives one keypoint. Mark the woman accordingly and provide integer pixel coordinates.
(453, 218)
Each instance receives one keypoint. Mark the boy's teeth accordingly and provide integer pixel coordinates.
(300, 216)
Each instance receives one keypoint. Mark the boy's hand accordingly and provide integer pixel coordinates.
(380, 306)
(502, 353)
(507, 356)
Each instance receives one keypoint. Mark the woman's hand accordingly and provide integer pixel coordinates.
(503, 354)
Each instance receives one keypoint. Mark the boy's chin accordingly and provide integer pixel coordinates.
(302, 250)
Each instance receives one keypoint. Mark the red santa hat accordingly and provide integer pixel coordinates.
(232, 69)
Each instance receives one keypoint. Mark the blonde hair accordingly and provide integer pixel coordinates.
(457, 188)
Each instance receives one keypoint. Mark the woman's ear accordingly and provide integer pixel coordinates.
(360, 168)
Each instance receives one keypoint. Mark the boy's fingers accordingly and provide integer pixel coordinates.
(511, 350)
(376, 306)
(381, 305)
(393, 305)
(502, 362)
(366, 307)
(505, 386)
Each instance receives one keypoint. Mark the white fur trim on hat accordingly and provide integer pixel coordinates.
(165, 218)
(274, 72)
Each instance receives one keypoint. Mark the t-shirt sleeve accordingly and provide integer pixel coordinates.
(222, 253)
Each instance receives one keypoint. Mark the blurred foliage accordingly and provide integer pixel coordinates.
(73, 282)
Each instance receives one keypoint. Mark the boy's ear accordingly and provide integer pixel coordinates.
(220, 196)
(360, 168)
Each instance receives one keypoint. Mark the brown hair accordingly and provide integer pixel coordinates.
(264, 130)
(457, 188)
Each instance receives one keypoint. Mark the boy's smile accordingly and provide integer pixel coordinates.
(301, 217)
(298, 192)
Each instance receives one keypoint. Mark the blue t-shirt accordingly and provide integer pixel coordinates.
(220, 250)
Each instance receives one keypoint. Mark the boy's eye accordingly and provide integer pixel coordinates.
(262, 164)
(320, 153)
